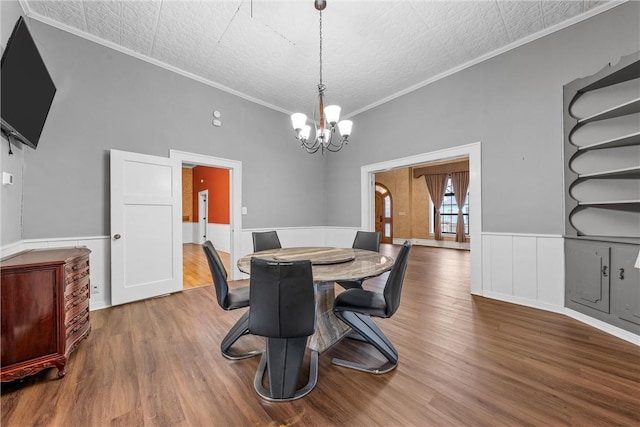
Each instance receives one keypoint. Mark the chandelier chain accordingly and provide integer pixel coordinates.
(321, 48)
(326, 126)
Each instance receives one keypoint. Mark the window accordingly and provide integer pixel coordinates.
(449, 211)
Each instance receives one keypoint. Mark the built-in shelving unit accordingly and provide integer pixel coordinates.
(602, 142)
(602, 193)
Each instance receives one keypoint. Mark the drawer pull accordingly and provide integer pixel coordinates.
(621, 274)
(604, 271)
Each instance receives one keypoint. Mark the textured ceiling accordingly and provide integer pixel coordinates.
(267, 51)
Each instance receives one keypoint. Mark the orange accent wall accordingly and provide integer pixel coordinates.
(215, 180)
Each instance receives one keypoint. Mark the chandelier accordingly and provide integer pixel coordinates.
(328, 122)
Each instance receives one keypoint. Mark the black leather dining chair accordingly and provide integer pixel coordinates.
(283, 310)
(355, 307)
(264, 240)
(369, 240)
(229, 299)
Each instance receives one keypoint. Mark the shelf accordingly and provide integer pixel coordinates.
(622, 141)
(602, 221)
(630, 107)
(612, 203)
(608, 239)
(615, 131)
(589, 103)
(587, 162)
(632, 172)
(604, 190)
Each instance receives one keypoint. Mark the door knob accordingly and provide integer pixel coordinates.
(116, 236)
(604, 271)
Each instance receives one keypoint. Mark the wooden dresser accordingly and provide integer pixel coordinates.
(45, 309)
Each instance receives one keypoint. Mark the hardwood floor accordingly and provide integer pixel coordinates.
(195, 271)
(464, 360)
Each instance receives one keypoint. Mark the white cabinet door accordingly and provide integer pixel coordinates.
(146, 209)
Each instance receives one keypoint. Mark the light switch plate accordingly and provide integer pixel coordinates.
(7, 178)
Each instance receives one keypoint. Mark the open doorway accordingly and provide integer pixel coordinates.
(370, 174)
(215, 188)
(404, 207)
(206, 216)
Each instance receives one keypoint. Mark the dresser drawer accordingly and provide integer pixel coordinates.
(76, 272)
(81, 298)
(76, 323)
(76, 288)
(76, 313)
(78, 333)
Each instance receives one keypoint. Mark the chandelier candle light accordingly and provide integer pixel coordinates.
(329, 115)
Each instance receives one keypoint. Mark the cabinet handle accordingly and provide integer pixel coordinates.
(604, 271)
(621, 274)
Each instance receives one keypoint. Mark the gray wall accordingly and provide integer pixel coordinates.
(512, 104)
(10, 196)
(107, 100)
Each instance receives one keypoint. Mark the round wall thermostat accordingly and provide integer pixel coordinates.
(216, 114)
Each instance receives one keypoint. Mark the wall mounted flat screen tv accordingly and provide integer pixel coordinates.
(26, 87)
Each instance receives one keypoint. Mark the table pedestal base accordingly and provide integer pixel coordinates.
(329, 329)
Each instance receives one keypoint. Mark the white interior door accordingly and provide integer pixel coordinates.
(146, 209)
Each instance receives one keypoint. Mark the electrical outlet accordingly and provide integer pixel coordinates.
(95, 289)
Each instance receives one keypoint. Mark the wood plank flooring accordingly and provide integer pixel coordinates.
(195, 271)
(464, 361)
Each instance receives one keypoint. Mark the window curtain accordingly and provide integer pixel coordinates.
(437, 184)
(460, 181)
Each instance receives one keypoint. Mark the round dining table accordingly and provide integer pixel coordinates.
(329, 265)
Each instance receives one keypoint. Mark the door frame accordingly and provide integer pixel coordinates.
(202, 231)
(235, 195)
(473, 151)
(385, 219)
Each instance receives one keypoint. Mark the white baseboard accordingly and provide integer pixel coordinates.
(524, 301)
(447, 244)
(602, 326)
(605, 327)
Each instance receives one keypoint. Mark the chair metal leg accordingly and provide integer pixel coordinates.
(282, 362)
(367, 329)
(239, 329)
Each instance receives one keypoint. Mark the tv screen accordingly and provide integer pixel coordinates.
(26, 87)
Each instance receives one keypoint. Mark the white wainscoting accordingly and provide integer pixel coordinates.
(524, 269)
(340, 237)
(189, 230)
(219, 234)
